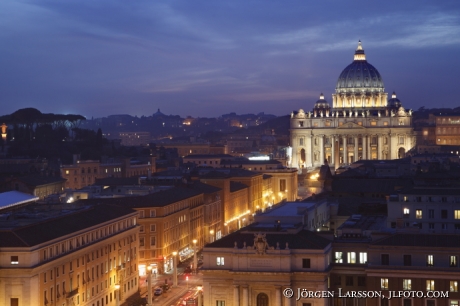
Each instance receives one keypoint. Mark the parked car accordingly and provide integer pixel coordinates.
(158, 291)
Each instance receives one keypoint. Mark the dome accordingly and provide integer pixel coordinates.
(321, 103)
(360, 75)
(394, 102)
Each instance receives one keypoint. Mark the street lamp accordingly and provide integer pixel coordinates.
(149, 284)
(117, 294)
(195, 266)
(175, 269)
(200, 295)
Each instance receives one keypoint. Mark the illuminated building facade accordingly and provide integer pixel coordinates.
(83, 173)
(85, 257)
(362, 122)
(448, 129)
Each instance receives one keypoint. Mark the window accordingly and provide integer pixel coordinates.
(153, 227)
(220, 261)
(306, 263)
(453, 286)
(407, 260)
(338, 257)
(457, 214)
(407, 284)
(141, 241)
(429, 260)
(14, 260)
(362, 257)
(282, 185)
(220, 303)
(361, 281)
(262, 299)
(301, 142)
(153, 213)
(406, 212)
(153, 240)
(385, 259)
(429, 284)
(384, 283)
(418, 214)
(349, 281)
(351, 257)
(431, 225)
(431, 213)
(444, 214)
(401, 139)
(407, 302)
(141, 214)
(453, 261)
(141, 229)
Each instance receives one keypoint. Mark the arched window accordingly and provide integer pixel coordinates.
(262, 299)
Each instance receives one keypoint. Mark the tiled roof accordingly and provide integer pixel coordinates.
(50, 229)
(421, 240)
(235, 186)
(301, 240)
(38, 180)
(157, 199)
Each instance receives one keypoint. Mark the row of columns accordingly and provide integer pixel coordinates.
(244, 301)
(377, 100)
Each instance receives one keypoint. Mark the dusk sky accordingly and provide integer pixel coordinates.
(207, 58)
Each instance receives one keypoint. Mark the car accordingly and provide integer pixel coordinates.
(188, 270)
(158, 291)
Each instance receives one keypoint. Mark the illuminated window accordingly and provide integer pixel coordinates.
(453, 261)
(385, 123)
(429, 284)
(351, 257)
(407, 284)
(384, 283)
(406, 212)
(457, 214)
(67, 172)
(418, 214)
(338, 257)
(373, 123)
(14, 260)
(453, 286)
(362, 257)
(220, 261)
(429, 260)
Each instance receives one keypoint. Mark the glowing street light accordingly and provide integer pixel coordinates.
(195, 267)
(149, 281)
(117, 294)
(175, 268)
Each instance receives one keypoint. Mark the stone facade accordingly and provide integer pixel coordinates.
(361, 124)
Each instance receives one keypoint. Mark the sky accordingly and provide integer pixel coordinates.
(207, 58)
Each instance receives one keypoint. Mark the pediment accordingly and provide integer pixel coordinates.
(350, 125)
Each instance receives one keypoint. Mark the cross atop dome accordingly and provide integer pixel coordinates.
(359, 53)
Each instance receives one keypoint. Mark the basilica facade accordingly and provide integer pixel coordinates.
(361, 123)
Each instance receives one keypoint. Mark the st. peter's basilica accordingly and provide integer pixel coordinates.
(361, 124)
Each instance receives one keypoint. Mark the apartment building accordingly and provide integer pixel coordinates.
(83, 173)
(427, 209)
(82, 256)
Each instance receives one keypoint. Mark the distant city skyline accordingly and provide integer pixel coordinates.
(205, 59)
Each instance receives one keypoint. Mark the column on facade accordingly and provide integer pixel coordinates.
(321, 149)
(245, 296)
(236, 295)
(333, 150)
(389, 146)
(356, 148)
(308, 144)
(345, 160)
(278, 300)
(311, 150)
(369, 152)
(379, 146)
(363, 146)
